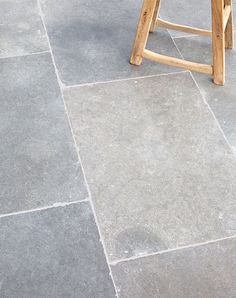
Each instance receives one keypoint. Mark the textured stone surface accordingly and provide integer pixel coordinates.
(53, 253)
(39, 163)
(92, 40)
(21, 28)
(206, 271)
(191, 13)
(221, 99)
(160, 171)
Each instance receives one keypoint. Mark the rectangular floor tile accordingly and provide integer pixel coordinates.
(190, 13)
(160, 172)
(92, 40)
(53, 253)
(222, 100)
(207, 271)
(185, 12)
(39, 164)
(21, 30)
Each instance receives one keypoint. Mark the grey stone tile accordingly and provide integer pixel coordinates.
(191, 13)
(53, 253)
(92, 40)
(221, 99)
(205, 271)
(39, 164)
(21, 30)
(160, 172)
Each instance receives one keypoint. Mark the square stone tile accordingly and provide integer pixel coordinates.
(159, 169)
(21, 28)
(39, 163)
(92, 40)
(205, 271)
(221, 99)
(53, 253)
(187, 12)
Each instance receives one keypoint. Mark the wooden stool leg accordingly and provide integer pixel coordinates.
(156, 15)
(229, 30)
(142, 31)
(218, 41)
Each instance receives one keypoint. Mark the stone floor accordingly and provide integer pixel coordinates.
(116, 180)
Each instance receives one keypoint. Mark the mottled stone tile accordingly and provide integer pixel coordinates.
(190, 13)
(185, 12)
(160, 172)
(222, 99)
(39, 163)
(53, 253)
(92, 40)
(204, 271)
(21, 28)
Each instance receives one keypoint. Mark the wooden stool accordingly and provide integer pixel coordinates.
(221, 34)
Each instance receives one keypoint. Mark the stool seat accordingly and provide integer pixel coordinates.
(221, 34)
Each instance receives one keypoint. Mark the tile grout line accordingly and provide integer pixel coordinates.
(65, 87)
(206, 103)
(77, 150)
(49, 44)
(114, 263)
(62, 86)
(214, 116)
(55, 205)
(25, 55)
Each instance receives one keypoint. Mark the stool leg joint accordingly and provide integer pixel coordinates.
(222, 37)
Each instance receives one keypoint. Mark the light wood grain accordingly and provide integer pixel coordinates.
(155, 15)
(229, 36)
(218, 41)
(144, 25)
(182, 28)
(204, 68)
(226, 14)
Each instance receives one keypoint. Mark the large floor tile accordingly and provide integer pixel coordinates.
(53, 253)
(160, 172)
(92, 40)
(222, 100)
(207, 271)
(187, 12)
(39, 164)
(21, 30)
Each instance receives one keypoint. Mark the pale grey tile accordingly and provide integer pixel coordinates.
(53, 253)
(21, 28)
(191, 13)
(187, 12)
(38, 161)
(160, 171)
(222, 100)
(207, 271)
(92, 40)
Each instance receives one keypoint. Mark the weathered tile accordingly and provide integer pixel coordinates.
(39, 164)
(53, 253)
(92, 40)
(160, 172)
(185, 12)
(21, 30)
(205, 271)
(222, 100)
(190, 13)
